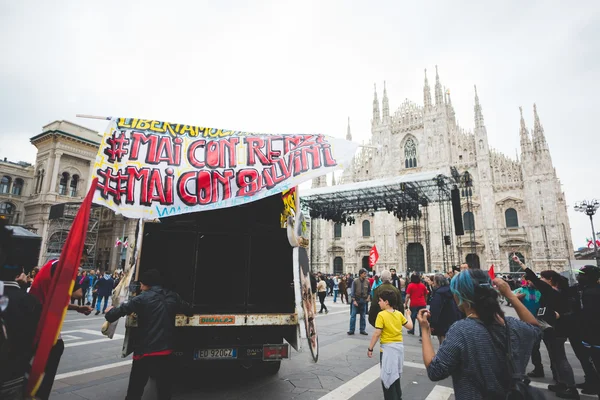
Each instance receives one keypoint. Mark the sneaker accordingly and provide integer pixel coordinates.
(326, 311)
(320, 312)
(410, 332)
(570, 393)
(350, 333)
(536, 373)
(97, 312)
(364, 333)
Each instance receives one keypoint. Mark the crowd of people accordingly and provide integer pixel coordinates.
(483, 350)
(462, 308)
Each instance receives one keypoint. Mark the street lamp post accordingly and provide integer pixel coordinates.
(589, 208)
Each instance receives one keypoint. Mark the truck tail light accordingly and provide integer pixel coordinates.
(274, 352)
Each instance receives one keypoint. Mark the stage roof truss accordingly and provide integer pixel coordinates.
(388, 194)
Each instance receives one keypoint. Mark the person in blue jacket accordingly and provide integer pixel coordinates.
(104, 286)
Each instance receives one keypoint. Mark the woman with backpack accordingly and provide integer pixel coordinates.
(444, 311)
(487, 352)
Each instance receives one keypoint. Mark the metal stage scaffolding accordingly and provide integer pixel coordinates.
(60, 222)
(407, 197)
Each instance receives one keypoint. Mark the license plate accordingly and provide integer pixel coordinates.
(208, 354)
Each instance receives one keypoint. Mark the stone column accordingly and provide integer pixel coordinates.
(55, 171)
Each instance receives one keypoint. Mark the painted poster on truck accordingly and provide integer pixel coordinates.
(152, 169)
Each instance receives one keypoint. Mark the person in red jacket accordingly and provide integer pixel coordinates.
(416, 293)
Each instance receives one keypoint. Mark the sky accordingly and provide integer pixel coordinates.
(305, 67)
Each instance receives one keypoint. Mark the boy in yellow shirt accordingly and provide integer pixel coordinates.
(388, 330)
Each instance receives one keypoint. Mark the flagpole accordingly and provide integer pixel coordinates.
(93, 117)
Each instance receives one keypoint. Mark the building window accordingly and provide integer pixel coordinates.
(469, 221)
(338, 266)
(39, 181)
(5, 185)
(410, 154)
(64, 182)
(17, 188)
(74, 182)
(337, 230)
(6, 211)
(366, 228)
(511, 217)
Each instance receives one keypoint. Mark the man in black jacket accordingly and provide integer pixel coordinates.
(589, 326)
(156, 309)
(19, 315)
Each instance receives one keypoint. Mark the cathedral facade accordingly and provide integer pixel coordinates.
(508, 205)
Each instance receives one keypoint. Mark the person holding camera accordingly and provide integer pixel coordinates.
(475, 351)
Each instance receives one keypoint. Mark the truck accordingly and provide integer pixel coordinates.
(245, 270)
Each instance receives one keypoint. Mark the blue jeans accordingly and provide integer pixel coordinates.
(335, 293)
(363, 320)
(413, 314)
(99, 301)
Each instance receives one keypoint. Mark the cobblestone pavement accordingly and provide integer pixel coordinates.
(92, 368)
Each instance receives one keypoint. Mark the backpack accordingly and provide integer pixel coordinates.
(518, 385)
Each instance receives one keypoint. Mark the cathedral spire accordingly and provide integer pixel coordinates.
(439, 97)
(385, 105)
(426, 93)
(348, 134)
(451, 113)
(478, 114)
(538, 129)
(376, 118)
(524, 133)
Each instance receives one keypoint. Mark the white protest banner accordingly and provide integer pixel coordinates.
(151, 169)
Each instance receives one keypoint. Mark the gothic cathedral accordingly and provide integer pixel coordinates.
(509, 206)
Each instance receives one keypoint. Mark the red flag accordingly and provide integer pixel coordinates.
(373, 256)
(491, 272)
(55, 290)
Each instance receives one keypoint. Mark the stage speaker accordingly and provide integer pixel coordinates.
(457, 213)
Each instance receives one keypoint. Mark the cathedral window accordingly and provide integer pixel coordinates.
(62, 185)
(511, 217)
(338, 266)
(410, 154)
(17, 188)
(337, 230)
(366, 228)
(73, 186)
(5, 185)
(469, 221)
